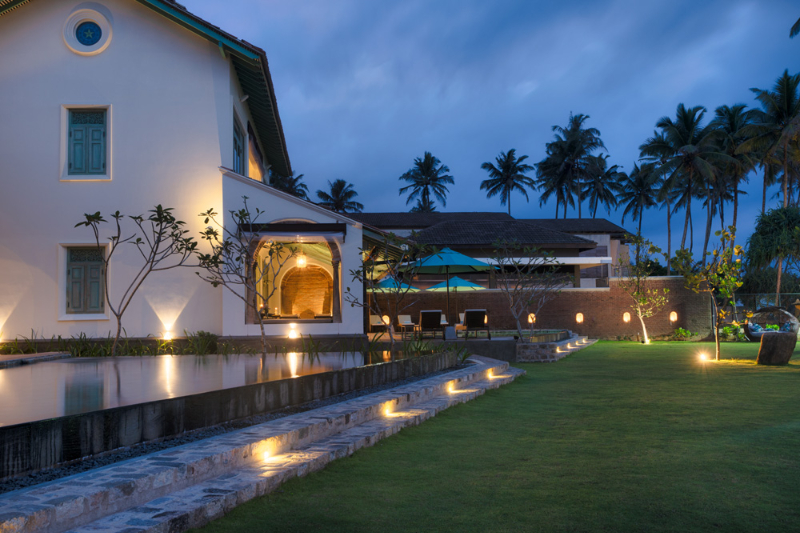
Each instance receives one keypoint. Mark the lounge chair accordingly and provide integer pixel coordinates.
(404, 323)
(461, 326)
(431, 321)
(375, 321)
(476, 320)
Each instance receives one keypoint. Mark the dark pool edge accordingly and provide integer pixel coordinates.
(35, 446)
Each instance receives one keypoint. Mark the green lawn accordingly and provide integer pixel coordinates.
(617, 437)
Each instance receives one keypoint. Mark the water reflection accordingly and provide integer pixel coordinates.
(72, 386)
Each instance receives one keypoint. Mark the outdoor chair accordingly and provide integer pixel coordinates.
(476, 320)
(461, 326)
(375, 321)
(430, 321)
(404, 323)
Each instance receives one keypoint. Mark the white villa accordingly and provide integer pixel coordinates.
(122, 105)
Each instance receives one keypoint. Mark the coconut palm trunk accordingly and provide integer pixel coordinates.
(669, 236)
(709, 220)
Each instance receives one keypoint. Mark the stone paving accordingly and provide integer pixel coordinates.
(187, 486)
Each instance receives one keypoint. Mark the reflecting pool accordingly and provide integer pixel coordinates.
(71, 386)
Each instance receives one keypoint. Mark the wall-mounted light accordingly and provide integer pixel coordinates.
(531, 318)
(385, 319)
(167, 335)
(673, 317)
(485, 319)
(626, 317)
(579, 318)
(302, 261)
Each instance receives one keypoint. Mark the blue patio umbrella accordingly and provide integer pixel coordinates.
(447, 261)
(388, 284)
(456, 283)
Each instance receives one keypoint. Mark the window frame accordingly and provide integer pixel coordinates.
(243, 159)
(66, 111)
(63, 263)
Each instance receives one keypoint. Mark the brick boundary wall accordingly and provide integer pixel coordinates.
(602, 309)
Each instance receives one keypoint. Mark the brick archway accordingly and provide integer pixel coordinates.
(307, 292)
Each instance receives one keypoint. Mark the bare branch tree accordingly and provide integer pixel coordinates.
(388, 268)
(161, 241)
(528, 277)
(234, 261)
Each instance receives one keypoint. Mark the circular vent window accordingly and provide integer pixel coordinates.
(88, 33)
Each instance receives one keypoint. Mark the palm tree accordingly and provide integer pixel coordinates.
(568, 159)
(695, 159)
(658, 150)
(795, 29)
(553, 178)
(639, 190)
(341, 197)
(730, 122)
(507, 176)
(289, 184)
(428, 177)
(430, 207)
(776, 125)
(602, 185)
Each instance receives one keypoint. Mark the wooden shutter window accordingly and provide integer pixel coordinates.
(85, 280)
(238, 148)
(87, 141)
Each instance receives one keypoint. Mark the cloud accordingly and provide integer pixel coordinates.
(364, 86)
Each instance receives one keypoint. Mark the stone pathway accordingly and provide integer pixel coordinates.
(187, 486)
(26, 359)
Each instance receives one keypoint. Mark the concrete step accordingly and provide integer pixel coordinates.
(94, 496)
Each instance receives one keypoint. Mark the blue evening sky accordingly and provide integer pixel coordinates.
(365, 86)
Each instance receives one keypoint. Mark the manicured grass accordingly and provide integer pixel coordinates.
(617, 437)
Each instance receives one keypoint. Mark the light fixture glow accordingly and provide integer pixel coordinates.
(302, 261)
(168, 335)
(293, 333)
(703, 357)
(531, 318)
(673, 316)
(385, 319)
(579, 318)
(485, 319)
(626, 317)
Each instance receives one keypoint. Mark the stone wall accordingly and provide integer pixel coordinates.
(307, 292)
(602, 309)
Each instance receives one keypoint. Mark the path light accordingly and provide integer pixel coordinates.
(626, 317)
(673, 317)
(293, 333)
(168, 335)
(703, 357)
(579, 318)
(451, 388)
(531, 318)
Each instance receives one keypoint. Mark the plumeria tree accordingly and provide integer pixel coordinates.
(528, 277)
(646, 300)
(719, 277)
(241, 261)
(161, 241)
(387, 268)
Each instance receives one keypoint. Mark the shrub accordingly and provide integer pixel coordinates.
(681, 334)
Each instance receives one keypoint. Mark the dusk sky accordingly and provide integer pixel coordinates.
(366, 86)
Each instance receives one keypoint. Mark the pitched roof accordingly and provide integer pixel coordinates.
(579, 225)
(250, 64)
(481, 233)
(406, 220)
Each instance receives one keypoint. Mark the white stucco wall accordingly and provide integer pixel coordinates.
(171, 96)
